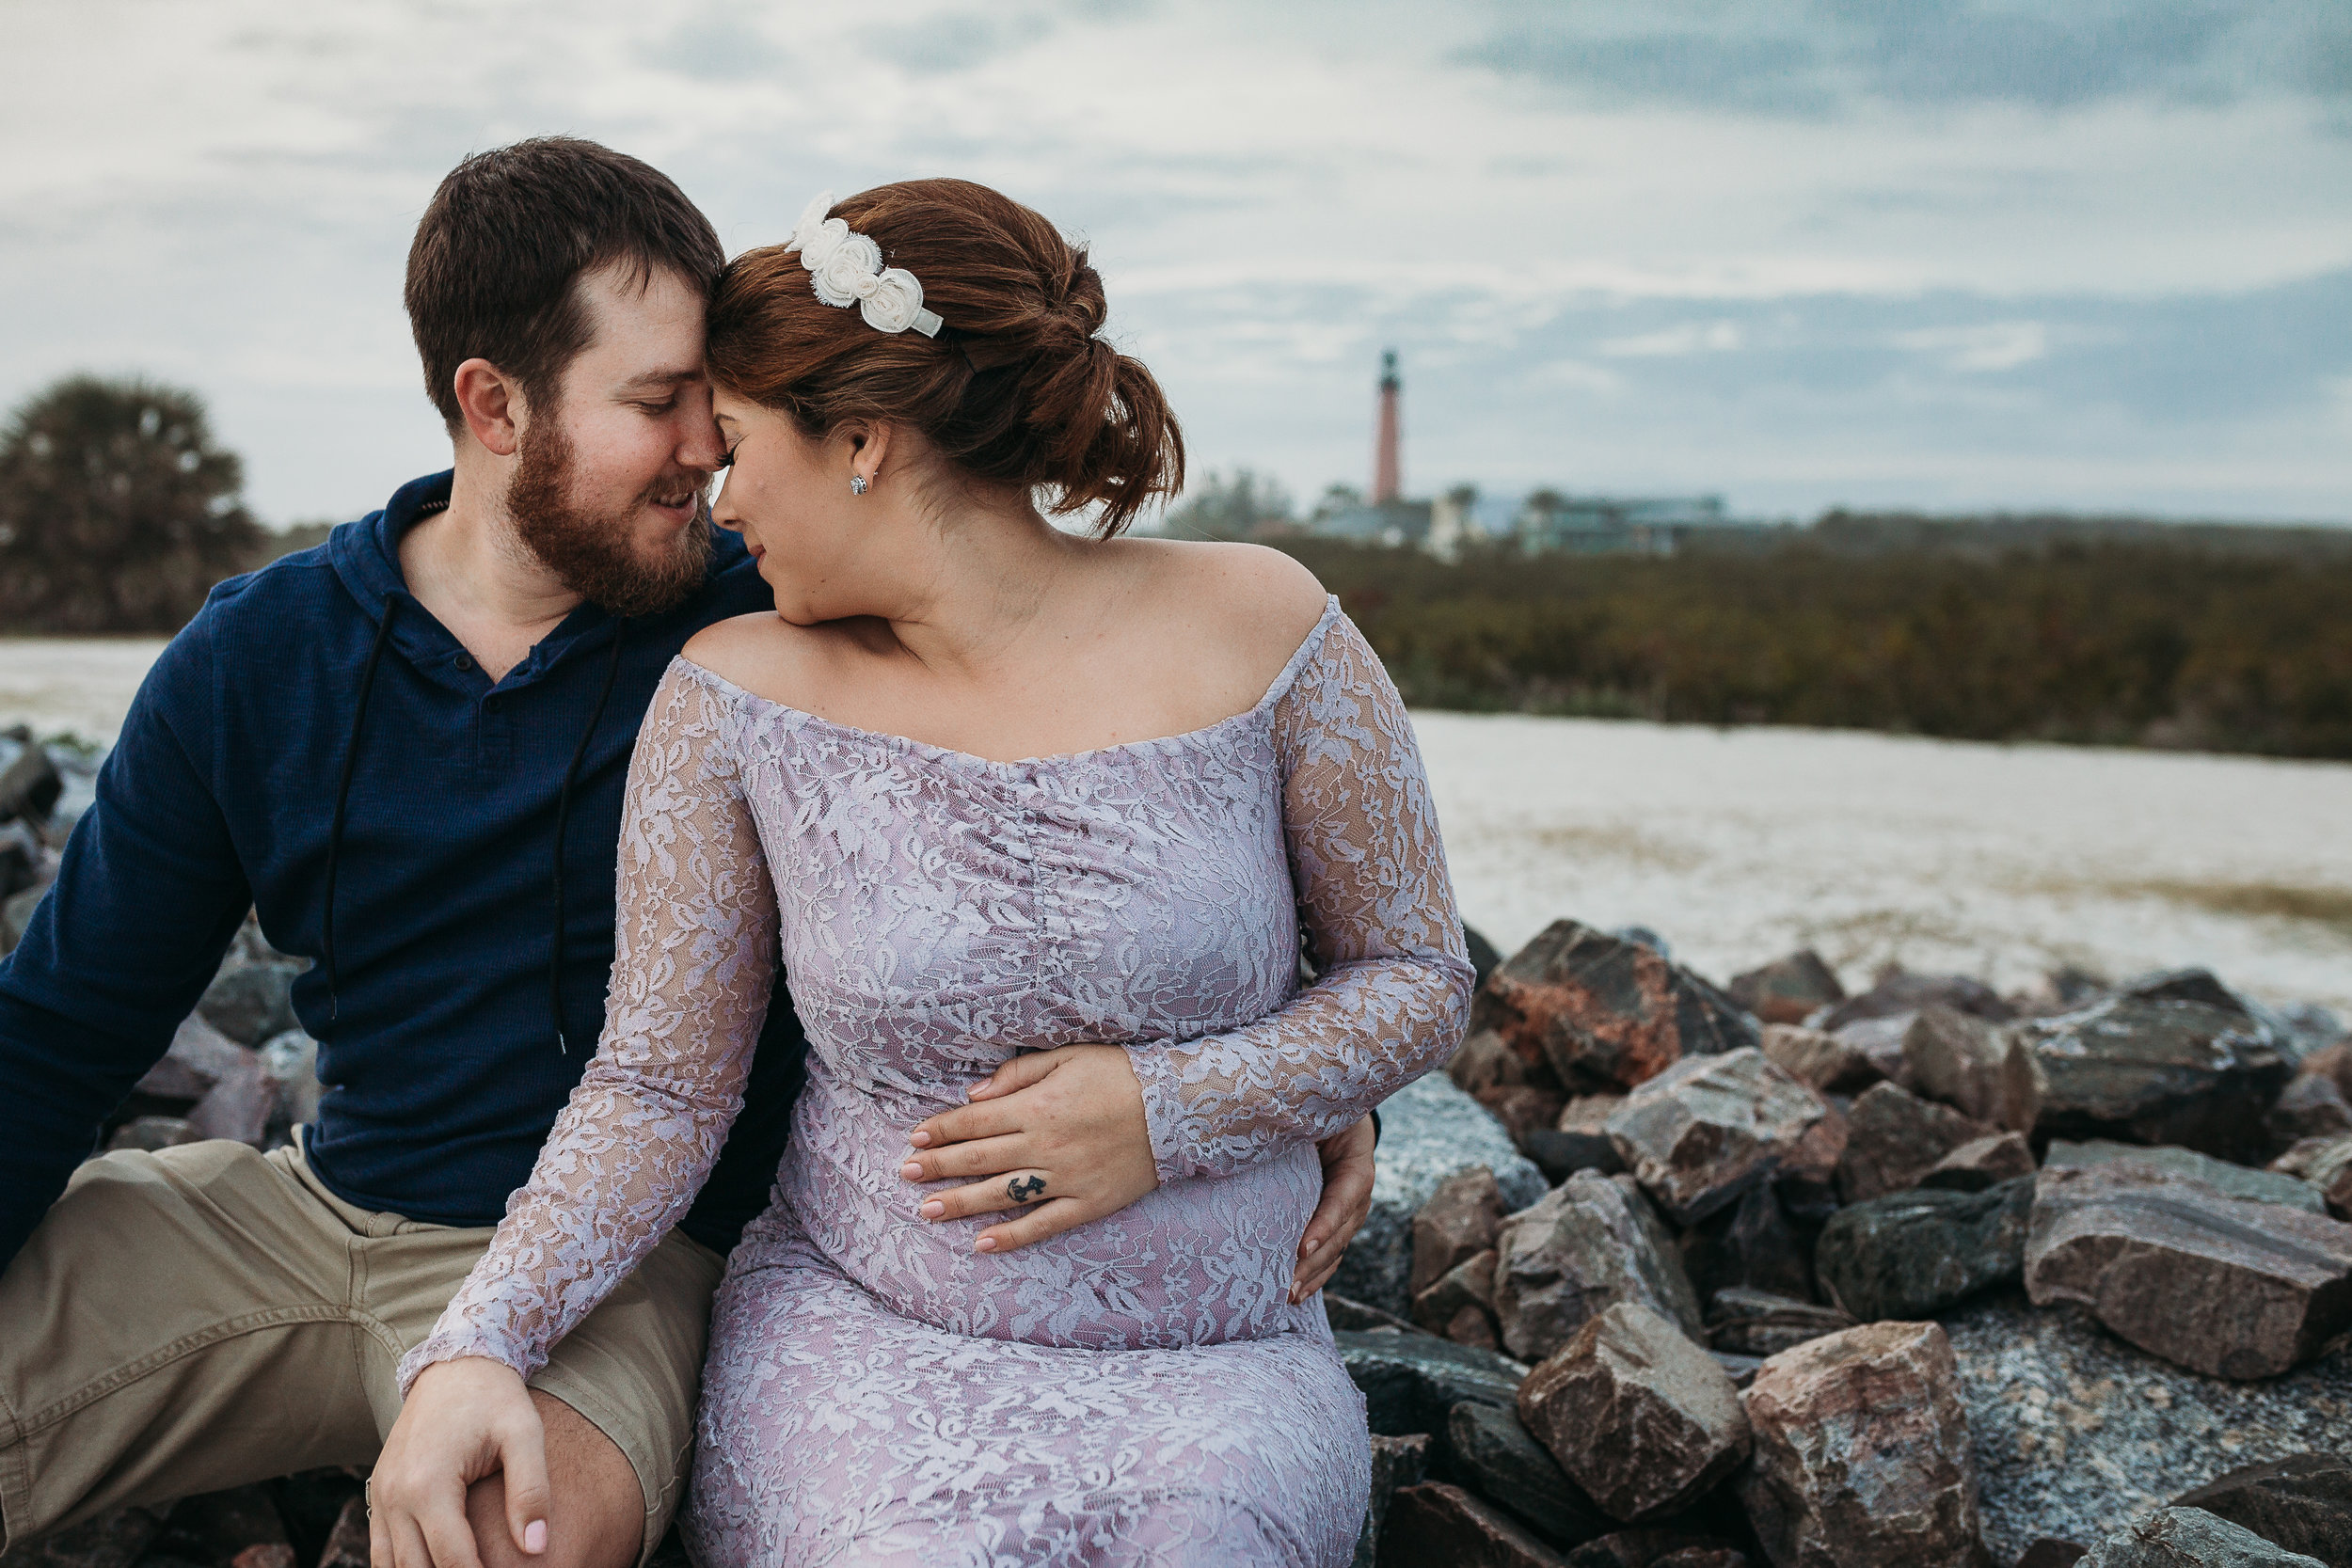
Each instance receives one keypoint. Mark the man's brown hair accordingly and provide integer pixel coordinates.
(493, 271)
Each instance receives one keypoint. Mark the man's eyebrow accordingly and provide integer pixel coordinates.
(659, 380)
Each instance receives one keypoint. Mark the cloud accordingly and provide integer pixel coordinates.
(1992, 346)
(1715, 337)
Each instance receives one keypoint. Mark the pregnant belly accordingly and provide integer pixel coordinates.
(1197, 1262)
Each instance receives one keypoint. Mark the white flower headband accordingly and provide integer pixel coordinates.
(847, 270)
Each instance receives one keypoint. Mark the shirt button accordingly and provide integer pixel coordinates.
(464, 662)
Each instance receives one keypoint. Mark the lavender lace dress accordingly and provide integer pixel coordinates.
(1138, 1389)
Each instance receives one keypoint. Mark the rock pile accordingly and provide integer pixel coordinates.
(1841, 1280)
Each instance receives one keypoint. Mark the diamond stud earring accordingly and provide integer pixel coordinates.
(857, 484)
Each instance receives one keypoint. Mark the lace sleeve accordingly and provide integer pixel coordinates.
(693, 962)
(1393, 997)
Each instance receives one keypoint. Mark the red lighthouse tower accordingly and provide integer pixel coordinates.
(1387, 476)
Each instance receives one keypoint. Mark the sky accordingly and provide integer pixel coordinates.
(1898, 253)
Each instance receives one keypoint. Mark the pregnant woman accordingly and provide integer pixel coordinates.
(1016, 805)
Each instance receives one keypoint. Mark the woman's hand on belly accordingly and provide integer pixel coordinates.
(1060, 1132)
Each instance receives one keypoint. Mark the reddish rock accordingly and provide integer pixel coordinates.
(2222, 1286)
(1457, 1223)
(1591, 1243)
(2327, 1164)
(1640, 1418)
(1879, 1040)
(1788, 990)
(347, 1546)
(1438, 1526)
(239, 1105)
(115, 1539)
(1973, 1066)
(153, 1132)
(1589, 1113)
(1708, 1128)
(1898, 990)
(1893, 1138)
(1468, 1284)
(1861, 1452)
(1819, 1060)
(1605, 1012)
(2333, 1063)
(1649, 1548)
(1742, 1321)
(1981, 1163)
(1522, 1108)
(1486, 1061)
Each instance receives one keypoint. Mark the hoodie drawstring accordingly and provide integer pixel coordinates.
(562, 817)
(342, 798)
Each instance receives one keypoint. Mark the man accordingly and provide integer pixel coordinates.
(405, 749)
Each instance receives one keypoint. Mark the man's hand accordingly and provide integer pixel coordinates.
(1060, 1131)
(1347, 1166)
(464, 1420)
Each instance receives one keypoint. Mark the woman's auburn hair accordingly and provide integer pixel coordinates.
(1017, 390)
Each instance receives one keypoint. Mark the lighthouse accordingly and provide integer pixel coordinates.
(1387, 476)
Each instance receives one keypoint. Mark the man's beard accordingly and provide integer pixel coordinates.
(591, 553)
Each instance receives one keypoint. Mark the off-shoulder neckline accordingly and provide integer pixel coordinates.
(1284, 681)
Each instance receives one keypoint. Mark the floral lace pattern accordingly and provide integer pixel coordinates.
(1140, 1389)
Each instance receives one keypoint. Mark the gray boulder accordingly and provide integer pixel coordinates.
(250, 1002)
(2076, 1434)
(2303, 1504)
(2190, 1537)
(1913, 1254)
(1429, 1131)
(2159, 1068)
(1410, 1381)
(1591, 1243)
(1489, 1447)
(1708, 1128)
(2254, 1186)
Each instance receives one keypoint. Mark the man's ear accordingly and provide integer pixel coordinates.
(492, 406)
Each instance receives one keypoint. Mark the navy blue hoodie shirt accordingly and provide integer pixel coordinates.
(437, 1017)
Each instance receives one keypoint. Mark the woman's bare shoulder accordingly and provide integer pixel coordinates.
(1256, 601)
(764, 654)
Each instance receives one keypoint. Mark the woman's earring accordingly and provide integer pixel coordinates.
(857, 484)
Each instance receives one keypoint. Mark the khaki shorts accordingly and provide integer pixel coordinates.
(205, 1317)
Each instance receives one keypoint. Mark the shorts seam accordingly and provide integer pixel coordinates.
(16, 1474)
(600, 1414)
(156, 1360)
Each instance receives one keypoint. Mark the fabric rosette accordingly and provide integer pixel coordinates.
(846, 268)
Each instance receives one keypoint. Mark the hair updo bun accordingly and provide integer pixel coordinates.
(1017, 389)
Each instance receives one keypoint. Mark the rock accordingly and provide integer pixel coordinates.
(1484, 956)
(251, 1002)
(239, 1106)
(347, 1546)
(2326, 1165)
(2311, 1106)
(1822, 1061)
(1640, 1418)
(1591, 1243)
(1429, 1131)
(1974, 1067)
(1397, 1464)
(153, 1132)
(1468, 1285)
(1560, 1155)
(1742, 1369)
(291, 1062)
(1702, 1557)
(1757, 1322)
(313, 1504)
(1752, 1244)
(29, 787)
(2190, 1537)
(1485, 1062)
(1522, 1108)
(115, 1539)
(240, 1528)
(1893, 1138)
(1788, 990)
(2303, 1504)
(1589, 1113)
(1981, 1163)
(1410, 1381)
(1913, 1254)
(1605, 1012)
(1660, 1547)
(1706, 1129)
(2228, 1287)
(1438, 1526)
(2154, 1071)
(1879, 1040)
(1354, 1316)
(1898, 991)
(1861, 1452)
(2255, 1186)
(1807, 1179)
(2186, 985)
(2076, 1432)
(1490, 1447)
(2048, 1553)
(199, 1057)
(1457, 1223)
(2333, 1063)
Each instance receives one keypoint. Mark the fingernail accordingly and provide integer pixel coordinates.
(536, 1536)
(920, 1138)
(912, 1171)
(932, 1210)
(986, 1244)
